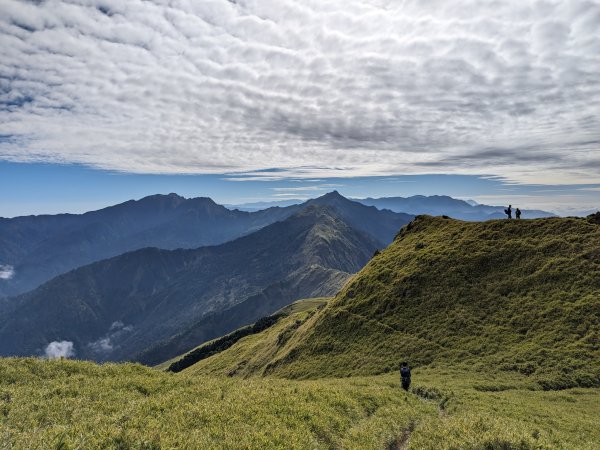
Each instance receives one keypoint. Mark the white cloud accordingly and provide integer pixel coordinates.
(314, 188)
(106, 344)
(103, 345)
(60, 349)
(336, 88)
(6, 272)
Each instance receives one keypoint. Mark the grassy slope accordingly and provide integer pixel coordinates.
(487, 411)
(538, 312)
(524, 299)
(300, 310)
(501, 296)
(68, 404)
(481, 410)
(252, 354)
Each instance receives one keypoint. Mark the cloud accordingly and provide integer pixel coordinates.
(291, 196)
(106, 344)
(6, 272)
(316, 89)
(313, 188)
(103, 345)
(59, 349)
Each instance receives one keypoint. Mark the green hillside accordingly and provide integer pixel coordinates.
(73, 404)
(503, 297)
(499, 319)
(483, 410)
(252, 347)
(298, 307)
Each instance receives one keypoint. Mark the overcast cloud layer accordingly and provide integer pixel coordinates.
(313, 87)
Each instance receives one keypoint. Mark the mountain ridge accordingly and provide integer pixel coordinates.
(500, 296)
(38, 248)
(157, 293)
(436, 205)
(439, 205)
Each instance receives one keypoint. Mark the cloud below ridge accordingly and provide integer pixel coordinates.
(6, 272)
(313, 88)
(106, 344)
(59, 349)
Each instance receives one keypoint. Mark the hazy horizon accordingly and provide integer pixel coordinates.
(48, 189)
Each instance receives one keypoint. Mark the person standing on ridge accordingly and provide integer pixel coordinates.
(405, 375)
(508, 211)
(518, 213)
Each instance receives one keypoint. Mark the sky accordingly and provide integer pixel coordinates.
(106, 100)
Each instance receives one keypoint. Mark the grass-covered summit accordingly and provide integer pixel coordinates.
(502, 296)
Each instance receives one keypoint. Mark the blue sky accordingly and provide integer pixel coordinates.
(106, 100)
(54, 188)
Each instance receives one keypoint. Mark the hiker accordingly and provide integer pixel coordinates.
(518, 213)
(508, 211)
(405, 375)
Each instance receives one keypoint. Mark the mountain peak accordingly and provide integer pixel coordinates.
(333, 194)
(331, 198)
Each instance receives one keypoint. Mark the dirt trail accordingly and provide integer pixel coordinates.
(401, 442)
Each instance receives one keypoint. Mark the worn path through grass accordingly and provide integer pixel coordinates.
(71, 404)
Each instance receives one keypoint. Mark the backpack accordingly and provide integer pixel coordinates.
(405, 372)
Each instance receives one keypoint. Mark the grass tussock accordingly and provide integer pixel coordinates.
(510, 414)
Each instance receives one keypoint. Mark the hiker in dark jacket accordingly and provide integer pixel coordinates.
(508, 211)
(405, 375)
(518, 213)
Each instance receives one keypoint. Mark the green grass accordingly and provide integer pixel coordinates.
(68, 404)
(506, 296)
(300, 310)
(485, 411)
(304, 305)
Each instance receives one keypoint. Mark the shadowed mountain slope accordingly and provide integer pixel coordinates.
(41, 247)
(38, 248)
(502, 296)
(116, 308)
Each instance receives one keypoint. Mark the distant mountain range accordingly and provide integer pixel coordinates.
(441, 205)
(435, 205)
(119, 307)
(41, 247)
(34, 249)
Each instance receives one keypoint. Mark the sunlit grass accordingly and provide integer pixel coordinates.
(506, 296)
(69, 404)
(500, 321)
(487, 411)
